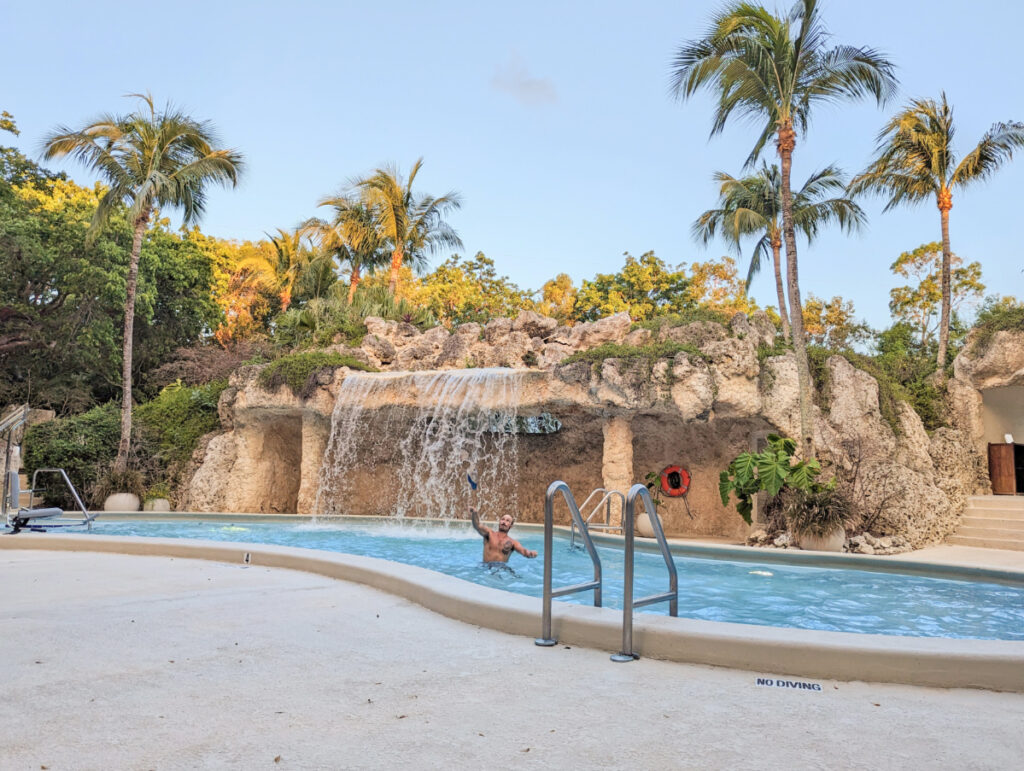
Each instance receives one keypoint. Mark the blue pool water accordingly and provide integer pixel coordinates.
(709, 589)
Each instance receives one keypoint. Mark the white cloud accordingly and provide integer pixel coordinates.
(514, 79)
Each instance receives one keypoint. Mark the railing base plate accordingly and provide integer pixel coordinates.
(620, 658)
(544, 643)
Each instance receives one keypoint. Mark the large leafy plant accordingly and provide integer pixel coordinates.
(767, 471)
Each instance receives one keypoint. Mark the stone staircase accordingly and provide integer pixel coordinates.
(993, 522)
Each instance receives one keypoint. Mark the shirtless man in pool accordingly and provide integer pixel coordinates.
(497, 543)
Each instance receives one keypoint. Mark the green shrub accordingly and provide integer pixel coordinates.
(128, 481)
(699, 313)
(298, 370)
(179, 416)
(900, 379)
(83, 445)
(651, 352)
(997, 314)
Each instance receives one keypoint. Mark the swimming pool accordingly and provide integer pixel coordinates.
(793, 596)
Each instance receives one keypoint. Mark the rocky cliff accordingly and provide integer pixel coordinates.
(620, 419)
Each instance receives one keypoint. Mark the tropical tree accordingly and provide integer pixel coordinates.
(150, 160)
(281, 269)
(413, 226)
(775, 70)
(915, 161)
(752, 206)
(351, 236)
(558, 298)
(918, 304)
(644, 288)
(716, 285)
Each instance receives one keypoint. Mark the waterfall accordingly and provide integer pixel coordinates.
(404, 443)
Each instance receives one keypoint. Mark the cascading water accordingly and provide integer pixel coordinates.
(404, 443)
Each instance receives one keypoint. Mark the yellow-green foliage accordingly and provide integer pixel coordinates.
(298, 370)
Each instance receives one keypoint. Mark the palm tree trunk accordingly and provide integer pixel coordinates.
(777, 257)
(786, 143)
(121, 463)
(396, 263)
(945, 204)
(353, 283)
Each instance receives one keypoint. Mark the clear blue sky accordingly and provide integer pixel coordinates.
(551, 118)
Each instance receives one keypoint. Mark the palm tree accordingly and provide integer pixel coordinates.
(753, 206)
(282, 271)
(412, 226)
(775, 70)
(150, 160)
(915, 161)
(351, 235)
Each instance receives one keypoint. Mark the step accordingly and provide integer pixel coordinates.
(992, 523)
(991, 532)
(980, 517)
(986, 543)
(996, 501)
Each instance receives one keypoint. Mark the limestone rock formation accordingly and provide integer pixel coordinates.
(696, 409)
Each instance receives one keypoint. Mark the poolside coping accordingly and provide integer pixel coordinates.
(940, 662)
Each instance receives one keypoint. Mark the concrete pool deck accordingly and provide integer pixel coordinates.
(127, 661)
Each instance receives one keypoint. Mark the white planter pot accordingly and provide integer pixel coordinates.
(157, 504)
(121, 502)
(832, 542)
(643, 525)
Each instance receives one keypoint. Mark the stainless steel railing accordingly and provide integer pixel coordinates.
(628, 602)
(606, 501)
(554, 489)
(87, 518)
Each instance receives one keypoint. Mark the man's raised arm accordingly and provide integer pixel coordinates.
(476, 522)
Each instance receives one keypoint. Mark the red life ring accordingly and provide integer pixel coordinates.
(675, 481)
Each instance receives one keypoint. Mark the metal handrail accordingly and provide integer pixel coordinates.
(15, 419)
(628, 603)
(607, 501)
(87, 518)
(554, 488)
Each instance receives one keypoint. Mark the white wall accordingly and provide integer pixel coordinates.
(1003, 413)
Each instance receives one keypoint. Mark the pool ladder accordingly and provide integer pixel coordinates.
(629, 603)
(606, 501)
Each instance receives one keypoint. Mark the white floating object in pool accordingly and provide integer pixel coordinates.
(761, 573)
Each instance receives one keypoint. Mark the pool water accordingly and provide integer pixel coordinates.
(709, 589)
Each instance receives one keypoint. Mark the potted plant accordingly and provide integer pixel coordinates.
(642, 522)
(815, 513)
(818, 518)
(157, 498)
(119, 491)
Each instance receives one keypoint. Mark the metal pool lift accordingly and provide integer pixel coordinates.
(30, 517)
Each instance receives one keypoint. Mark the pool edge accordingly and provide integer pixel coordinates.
(996, 665)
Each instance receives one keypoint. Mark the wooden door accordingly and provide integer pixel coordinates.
(1001, 469)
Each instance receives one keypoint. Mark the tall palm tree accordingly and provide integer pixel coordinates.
(413, 226)
(915, 161)
(150, 160)
(753, 206)
(775, 70)
(351, 235)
